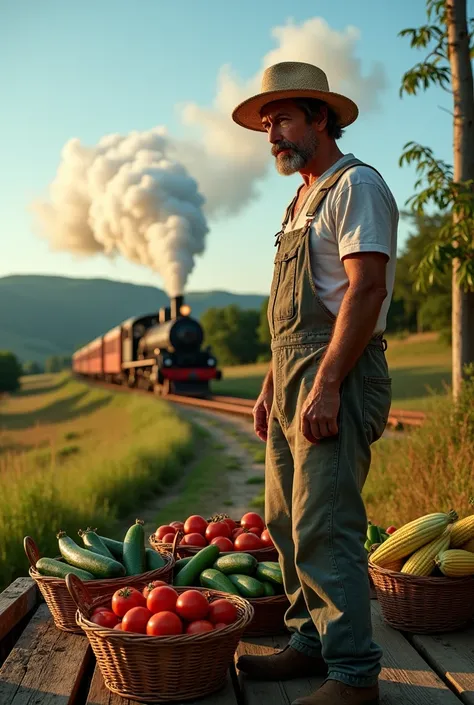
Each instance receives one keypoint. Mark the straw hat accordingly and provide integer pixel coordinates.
(293, 79)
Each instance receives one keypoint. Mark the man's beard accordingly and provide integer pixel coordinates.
(299, 156)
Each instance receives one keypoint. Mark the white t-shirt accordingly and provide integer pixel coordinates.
(359, 214)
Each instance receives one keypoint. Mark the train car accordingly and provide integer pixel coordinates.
(113, 355)
(95, 358)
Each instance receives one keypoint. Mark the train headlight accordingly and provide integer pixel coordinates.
(211, 362)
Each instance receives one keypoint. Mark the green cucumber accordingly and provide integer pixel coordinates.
(94, 543)
(242, 563)
(373, 534)
(99, 566)
(199, 562)
(215, 580)
(269, 590)
(179, 565)
(367, 545)
(269, 571)
(59, 569)
(115, 547)
(134, 549)
(247, 586)
(153, 559)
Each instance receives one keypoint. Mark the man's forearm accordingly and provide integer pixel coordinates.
(353, 330)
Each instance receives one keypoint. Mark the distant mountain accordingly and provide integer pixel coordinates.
(43, 315)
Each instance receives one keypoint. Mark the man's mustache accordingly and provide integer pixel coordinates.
(282, 145)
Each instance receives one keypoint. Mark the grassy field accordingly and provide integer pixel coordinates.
(72, 456)
(420, 366)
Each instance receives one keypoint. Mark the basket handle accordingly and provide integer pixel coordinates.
(79, 592)
(31, 550)
(177, 538)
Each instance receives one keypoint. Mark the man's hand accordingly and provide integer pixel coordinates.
(261, 412)
(319, 412)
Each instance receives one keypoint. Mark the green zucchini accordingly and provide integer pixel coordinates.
(373, 534)
(242, 563)
(179, 565)
(59, 569)
(215, 580)
(99, 566)
(115, 547)
(247, 586)
(269, 590)
(199, 562)
(134, 549)
(269, 571)
(94, 543)
(153, 560)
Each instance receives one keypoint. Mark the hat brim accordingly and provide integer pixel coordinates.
(247, 114)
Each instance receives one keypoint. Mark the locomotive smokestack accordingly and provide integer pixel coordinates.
(176, 303)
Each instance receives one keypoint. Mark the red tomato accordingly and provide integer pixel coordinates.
(105, 619)
(223, 543)
(237, 532)
(163, 530)
(231, 523)
(221, 625)
(216, 529)
(266, 538)
(162, 599)
(248, 542)
(164, 623)
(97, 610)
(390, 530)
(118, 626)
(195, 524)
(195, 540)
(252, 519)
(199, 627)
(168, 538)
(255, 530)
(222, 611)
(192, 605)
(148, 588)
(126, 598)
(178, 525)
(136, 619)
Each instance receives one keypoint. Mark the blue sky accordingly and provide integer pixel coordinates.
(89, 69)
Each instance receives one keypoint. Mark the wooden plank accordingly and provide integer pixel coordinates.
(406, 678)
(100, 695)
(451, 656)
(16, 601)
(46, 665)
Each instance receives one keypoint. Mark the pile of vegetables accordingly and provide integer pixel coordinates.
(250, 534)
(437, 544)
(235, 573)
(102, 558)
(376, 534)
(160, 611)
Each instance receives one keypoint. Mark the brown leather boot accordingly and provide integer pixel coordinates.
(283, 665)
(336, 693)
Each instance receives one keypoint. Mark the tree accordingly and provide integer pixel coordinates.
(31, 368)
(10, 372)
(263, 332)
(53, 364)
(232, 334)
(448, 65)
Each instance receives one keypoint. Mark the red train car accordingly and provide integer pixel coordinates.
(113, 352)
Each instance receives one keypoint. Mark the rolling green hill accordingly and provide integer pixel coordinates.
(45, 315)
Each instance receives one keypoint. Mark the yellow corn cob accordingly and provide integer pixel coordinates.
(456, 563)
(422, 562)
(408, 538)
(463, 531)
(469, 546)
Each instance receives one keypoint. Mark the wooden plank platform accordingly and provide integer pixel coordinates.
(50, 667)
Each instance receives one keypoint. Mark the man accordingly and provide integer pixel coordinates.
(327, 395)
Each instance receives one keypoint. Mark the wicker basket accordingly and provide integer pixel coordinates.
(58, 599)
(269, 616)
(261, 554)
(161, 669)
(423, 605)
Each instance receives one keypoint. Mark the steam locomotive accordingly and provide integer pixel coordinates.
(157, 352)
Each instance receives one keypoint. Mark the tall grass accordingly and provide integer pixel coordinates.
(90, 487)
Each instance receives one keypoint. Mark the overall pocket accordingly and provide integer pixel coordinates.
(284, 284)
(377, 399)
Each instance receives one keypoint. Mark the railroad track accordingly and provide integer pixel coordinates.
(238, 406)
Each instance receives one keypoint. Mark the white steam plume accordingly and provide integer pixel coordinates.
(127, 196)
(138, 195)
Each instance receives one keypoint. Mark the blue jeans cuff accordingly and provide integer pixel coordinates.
(306, 646)
(355, 681)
